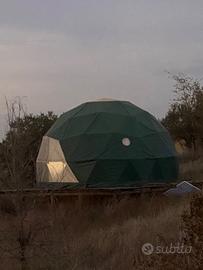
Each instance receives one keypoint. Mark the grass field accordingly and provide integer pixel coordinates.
(99, 236)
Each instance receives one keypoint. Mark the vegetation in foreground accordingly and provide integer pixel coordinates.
(101, 236)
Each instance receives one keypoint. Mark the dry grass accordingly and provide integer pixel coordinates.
(97, 236)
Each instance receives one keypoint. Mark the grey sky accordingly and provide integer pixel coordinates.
(59, 53)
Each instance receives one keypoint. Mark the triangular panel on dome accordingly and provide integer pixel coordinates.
(52, 164)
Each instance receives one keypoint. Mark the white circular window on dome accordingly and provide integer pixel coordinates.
(126, 141)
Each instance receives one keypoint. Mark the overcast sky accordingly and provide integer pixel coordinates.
(60, 53)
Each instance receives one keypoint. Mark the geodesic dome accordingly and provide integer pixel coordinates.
(107, 144)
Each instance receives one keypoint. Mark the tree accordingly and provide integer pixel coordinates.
(18, 151)
(185, 116)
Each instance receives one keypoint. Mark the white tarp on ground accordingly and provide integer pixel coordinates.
(51, 163)
(182, 188)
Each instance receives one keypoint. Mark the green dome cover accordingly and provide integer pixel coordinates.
(107, 144)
